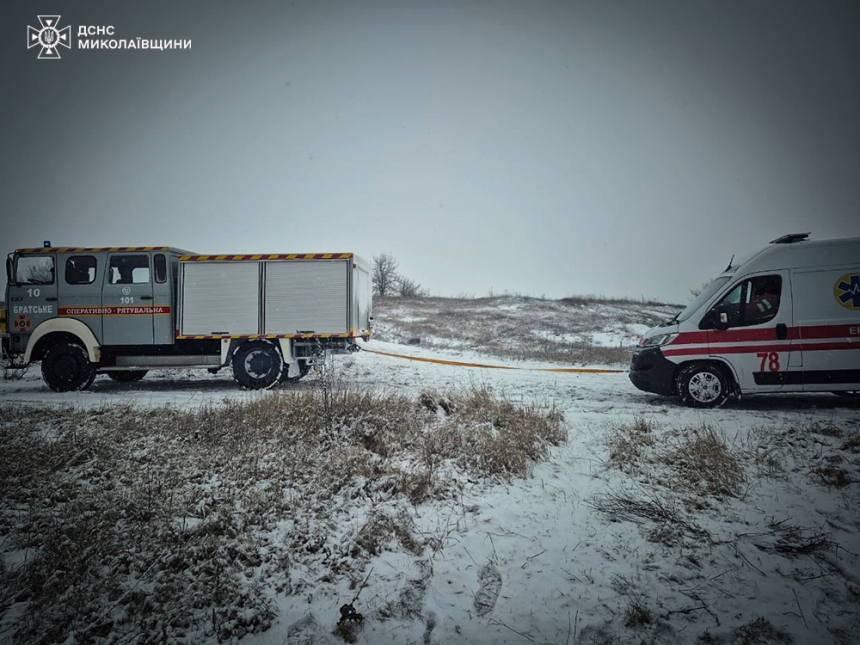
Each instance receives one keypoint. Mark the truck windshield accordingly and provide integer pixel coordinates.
(706, 294)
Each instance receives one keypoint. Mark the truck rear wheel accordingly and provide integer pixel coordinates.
(66, 368)
(127, 376)
(703, 385)
(257, 365)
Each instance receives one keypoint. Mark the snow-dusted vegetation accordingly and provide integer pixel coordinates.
(383, 500)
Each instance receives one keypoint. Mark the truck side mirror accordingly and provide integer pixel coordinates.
(9, 272)
(722, 321)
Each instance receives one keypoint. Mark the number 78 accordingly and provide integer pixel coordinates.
(772, 360)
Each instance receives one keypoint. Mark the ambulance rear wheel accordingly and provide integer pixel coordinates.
(127, 376)
(703, 385)
(257, 365)
(66, 368)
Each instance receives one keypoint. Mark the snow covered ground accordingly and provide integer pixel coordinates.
(612, 539)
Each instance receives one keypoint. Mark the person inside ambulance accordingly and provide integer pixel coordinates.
(752, 302)
(765, 300)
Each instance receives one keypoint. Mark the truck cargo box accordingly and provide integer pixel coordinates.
(281, 296)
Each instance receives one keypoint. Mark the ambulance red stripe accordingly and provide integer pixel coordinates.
(715, 350)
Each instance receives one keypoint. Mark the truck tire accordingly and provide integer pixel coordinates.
(703, 385)
(127, 376)
(257, 365)
(304, 368)
(66, 368)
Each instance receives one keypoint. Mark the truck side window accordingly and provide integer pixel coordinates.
(752, 302)
(35, 269)
(80, 269)
(128, 269)
(160, 268)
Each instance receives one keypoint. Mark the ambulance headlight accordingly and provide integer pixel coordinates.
(659, 341)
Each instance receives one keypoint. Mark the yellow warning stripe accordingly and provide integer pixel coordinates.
(566, 370)
(91, 249)
(305, 336)
(264, 256)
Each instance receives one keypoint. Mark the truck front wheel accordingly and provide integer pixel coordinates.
(703, 385)
(66, 368)
(257, 365)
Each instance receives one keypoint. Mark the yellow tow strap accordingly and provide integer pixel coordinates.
(567, 370)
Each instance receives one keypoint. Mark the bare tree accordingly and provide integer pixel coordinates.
(385, 277)
(407, 288)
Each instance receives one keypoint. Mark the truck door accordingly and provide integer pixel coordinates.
(32, 295)
(79, 288)
(127, 300)
(163, 288)
(750, 328)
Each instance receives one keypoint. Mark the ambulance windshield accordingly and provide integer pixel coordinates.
(706, 294)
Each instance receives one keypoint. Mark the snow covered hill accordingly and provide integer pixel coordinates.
(571, 330)
(441, 502)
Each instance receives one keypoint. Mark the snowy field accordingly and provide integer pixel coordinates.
(625, 533)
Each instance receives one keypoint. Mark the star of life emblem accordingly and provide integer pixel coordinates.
(49, 38)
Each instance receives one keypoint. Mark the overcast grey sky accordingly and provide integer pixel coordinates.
(624, 148)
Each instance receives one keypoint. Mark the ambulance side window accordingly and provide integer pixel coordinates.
(752, 302)
(128, 269)
(80, 269)
(35, 269)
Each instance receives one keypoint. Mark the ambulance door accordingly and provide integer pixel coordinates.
(80, 293)
(127, 300)
(750, 329)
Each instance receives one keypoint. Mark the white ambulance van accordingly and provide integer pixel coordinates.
(785, 320)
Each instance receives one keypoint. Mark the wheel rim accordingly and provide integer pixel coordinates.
(258, 364)
(705, 387)
(66, 369)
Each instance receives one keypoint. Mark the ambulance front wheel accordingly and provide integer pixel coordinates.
(257, 365)
(703, 385)
(66, 368)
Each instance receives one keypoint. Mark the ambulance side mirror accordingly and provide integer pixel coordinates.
(717, 318)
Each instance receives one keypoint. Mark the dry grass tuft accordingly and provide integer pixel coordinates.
(637, 614)
(705, 462)
(670, 524)
(826, 429)
(831, 473)
(760, 630)
(627, 443)
(852, 443)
